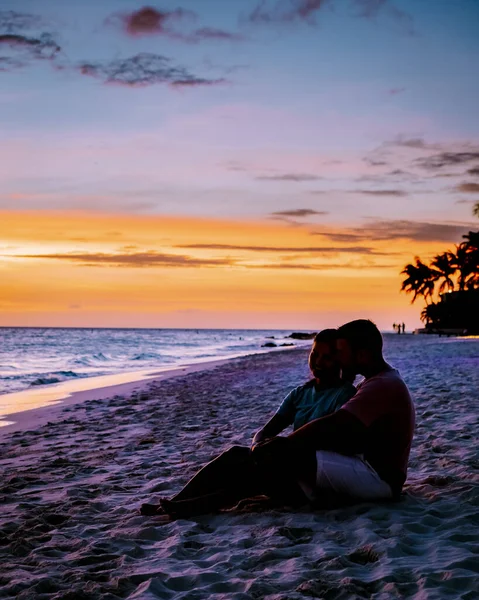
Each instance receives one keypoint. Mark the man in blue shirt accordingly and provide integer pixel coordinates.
(234, 474)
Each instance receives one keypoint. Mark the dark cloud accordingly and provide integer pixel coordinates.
(399, 173)
(42, 47)
(15, 22)
(473, 171)
(289, 177)
(375, 162)
(21, 38)
(142, 70)
(468, 188)
(397, 193)
(299, 212)
(417, 143)
(284, 249)
(294, 11)
(150, 21)
(418, 231)
(322, 266)
(137, 259)
(413, 143)
(286, 11)
(447, 159)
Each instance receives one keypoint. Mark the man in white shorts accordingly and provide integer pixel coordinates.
(362, 450)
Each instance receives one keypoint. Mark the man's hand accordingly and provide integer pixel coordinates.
(272, 451)
(274, 426)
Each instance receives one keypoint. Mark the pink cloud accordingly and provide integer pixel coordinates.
(150, 21)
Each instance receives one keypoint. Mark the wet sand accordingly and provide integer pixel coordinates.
(71, 489)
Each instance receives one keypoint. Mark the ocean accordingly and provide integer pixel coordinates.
(31, 357)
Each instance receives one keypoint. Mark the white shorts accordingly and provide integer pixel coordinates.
(349, 475)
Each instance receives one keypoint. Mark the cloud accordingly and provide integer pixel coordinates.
(297, 177)
(286, 11)
(136, 259)
(150, 21)
(468, 188)
(399, 173)
(374, 162)
(447, 159)
(284, 249)
(299, 213)
(142, 70)
(382, 230)
(212, 33)
(416, 143)
(14, 22)
(396, 91)
(21, 45)
(396, 193)
(370, 9)
(322, 266)
(465, 202)
(473, 171)
(294, 11)
(9, 64)
(43, 47)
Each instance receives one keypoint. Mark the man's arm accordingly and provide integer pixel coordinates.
(274, 426)
(339, 432)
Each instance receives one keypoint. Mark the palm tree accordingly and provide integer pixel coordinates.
(475, 210)
(420, 280)
(466, 262)
(431, 314)
(472, 240)
(444, 268)
(471, 245)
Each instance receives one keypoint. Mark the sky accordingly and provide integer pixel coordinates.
(250, 163)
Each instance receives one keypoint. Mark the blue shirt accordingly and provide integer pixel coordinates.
(306, 403)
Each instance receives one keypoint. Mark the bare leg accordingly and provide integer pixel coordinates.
(234, 475)
(233, 468)
(201, 505)
(231, 475)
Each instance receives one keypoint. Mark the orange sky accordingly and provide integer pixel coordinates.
(80, 269)
(246, 164)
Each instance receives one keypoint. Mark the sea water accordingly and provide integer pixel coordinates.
(31, 357)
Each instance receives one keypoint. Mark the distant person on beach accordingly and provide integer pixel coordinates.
(234, 474)
(361, 451)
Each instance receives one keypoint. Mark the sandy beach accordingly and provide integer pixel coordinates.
(71, 488)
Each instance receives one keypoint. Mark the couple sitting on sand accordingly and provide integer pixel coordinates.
(346, 443)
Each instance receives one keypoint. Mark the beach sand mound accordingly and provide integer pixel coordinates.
(70, 493)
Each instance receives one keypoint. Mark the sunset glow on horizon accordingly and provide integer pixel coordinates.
(231, 165)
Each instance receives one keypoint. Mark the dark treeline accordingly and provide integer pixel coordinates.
(449, 285)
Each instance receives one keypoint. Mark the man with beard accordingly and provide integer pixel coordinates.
(362, 450)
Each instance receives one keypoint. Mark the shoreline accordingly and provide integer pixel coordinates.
(62, 396)
(56, 397)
